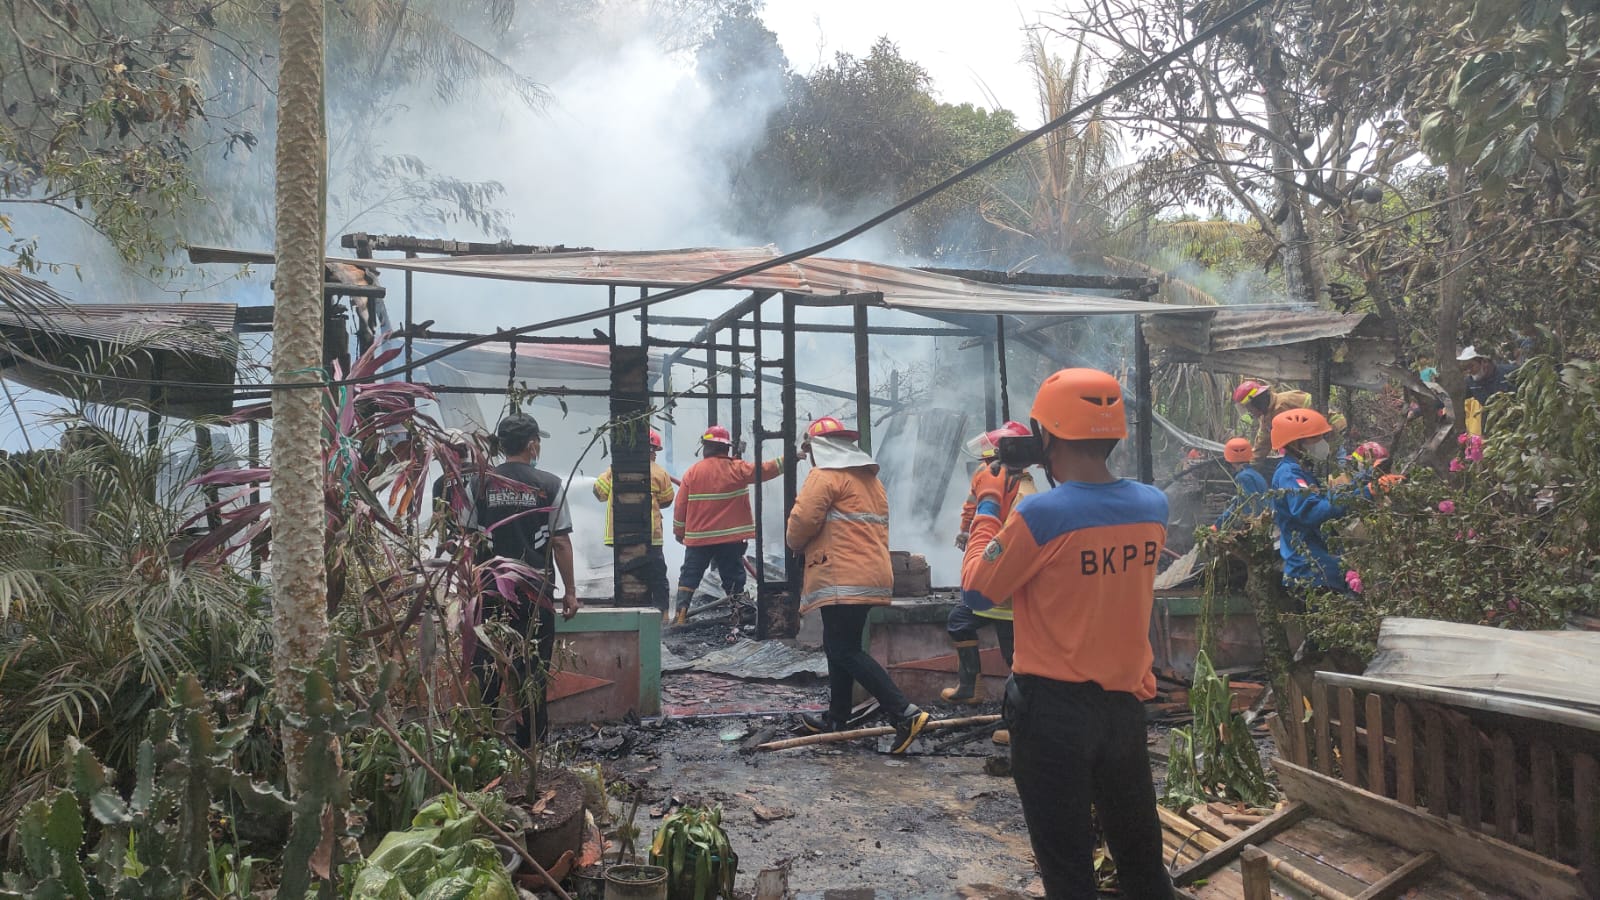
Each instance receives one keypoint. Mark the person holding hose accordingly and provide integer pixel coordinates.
(662, 493)
(1266, 404)
(712, 519)
(1079, 564)
(840, 524)
(1300, 505)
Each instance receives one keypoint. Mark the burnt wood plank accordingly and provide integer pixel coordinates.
(1438, 768)
(1586, 817)
(1544, 798)
(1392, 884)
(1505, 785)
(1216, 859)
(1470, 757)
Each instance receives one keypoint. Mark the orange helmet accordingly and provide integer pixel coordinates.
(828, 426)
(1370, 453)
(1081, 405)
(1247, 391)
(1294, 424)
(655, 439)
(1238, 450)
(717, 434)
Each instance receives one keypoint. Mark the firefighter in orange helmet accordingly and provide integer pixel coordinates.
(840, 524)
(1079, 564)
(712, 518)
(1250, 485)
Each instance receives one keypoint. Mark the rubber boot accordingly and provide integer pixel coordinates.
(1002, 737)
(678, 610)
(968, 667)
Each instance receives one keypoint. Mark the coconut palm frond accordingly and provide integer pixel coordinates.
(448, 53)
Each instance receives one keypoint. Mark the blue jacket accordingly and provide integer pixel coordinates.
(1299, 509)
(1246, 504)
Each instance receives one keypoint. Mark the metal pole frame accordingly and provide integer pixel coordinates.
(758, 433)
(1144, 411)
(990, 390)
(1000, 357)
(863, 377)
(791, 481)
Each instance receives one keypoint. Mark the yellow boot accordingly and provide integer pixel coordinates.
(1002, 737)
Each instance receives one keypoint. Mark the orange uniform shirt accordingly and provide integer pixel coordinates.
(1079, 564)
(713, 505)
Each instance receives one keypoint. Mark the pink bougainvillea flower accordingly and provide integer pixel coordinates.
(1447, 507)
(1472, 533)
(1455, 465)
(1513, 605)
(1474, 447)
(1352, 579)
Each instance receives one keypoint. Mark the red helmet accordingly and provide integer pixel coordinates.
(655, 439)
(1238, 450)
(1248, 390)
(1370, 453)
(717, 434)
(986, 445)
(828, 426)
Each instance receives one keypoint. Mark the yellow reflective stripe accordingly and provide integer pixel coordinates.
(723, 532)
(742, 492)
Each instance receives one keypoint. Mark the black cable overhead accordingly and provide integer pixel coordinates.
(922, 196)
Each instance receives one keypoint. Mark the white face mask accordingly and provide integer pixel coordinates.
(1318, 451)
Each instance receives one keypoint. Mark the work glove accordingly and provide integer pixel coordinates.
(994, 483)
(961, 541)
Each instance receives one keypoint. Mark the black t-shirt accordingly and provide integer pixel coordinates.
(514, 488)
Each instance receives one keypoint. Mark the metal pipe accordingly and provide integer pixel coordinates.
(806, 386)
(863, 378)
(758, 432)
(791, 482)
(926, 331)
(1144, 409)
(990, 389)
(1000, 356)
(735, 410)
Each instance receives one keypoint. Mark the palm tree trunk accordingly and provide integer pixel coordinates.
(299, 604)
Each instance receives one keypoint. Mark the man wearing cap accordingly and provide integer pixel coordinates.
(1264, 403)
(524, 511)
(840, 524)
(1485, 378)
(663, 493)
(712, 518)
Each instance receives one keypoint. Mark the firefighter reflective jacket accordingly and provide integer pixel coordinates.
(1079, 564)
(1024, 487)
(840, 523)
(713, 504)
(661, 491)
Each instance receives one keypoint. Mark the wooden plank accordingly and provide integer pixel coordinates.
(1361, 857)
(1256, 869)
(1183, 828)
(1300, 878)
(1505, 786)
(1319, 877)
(1401, 878)
(1437, 768)
(1550, 713)
(1375, 756)
(1293, 715)
(1405, 755)
(1349, 767)
(1483, 858)
(1319, 726)
(1544, 798)
(1216, 859)
(1469, 756)
(1210, 821)
(1586, 818)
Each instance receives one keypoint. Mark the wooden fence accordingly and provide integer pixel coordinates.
(1521, 771)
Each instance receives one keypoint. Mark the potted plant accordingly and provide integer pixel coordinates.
(693, 848)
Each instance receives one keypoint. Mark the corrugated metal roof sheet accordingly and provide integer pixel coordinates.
(1221, 329)
(902, 288)
(179, 327)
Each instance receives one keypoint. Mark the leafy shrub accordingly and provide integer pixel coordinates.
(1508, 536)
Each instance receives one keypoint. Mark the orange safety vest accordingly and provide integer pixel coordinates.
(713, 504)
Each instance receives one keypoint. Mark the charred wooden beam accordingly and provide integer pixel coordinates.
(1048, 279)
(407, 243)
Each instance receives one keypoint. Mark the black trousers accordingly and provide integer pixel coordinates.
(729, 559)
(530, 678)
(963, 625)
(1076, 744)
(843, 625)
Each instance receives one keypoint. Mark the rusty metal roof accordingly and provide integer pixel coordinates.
(901, 288)
(1220, 329)
(186, 342)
